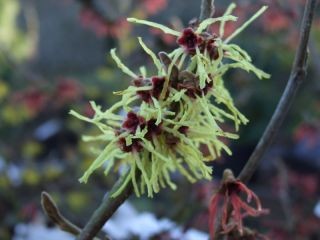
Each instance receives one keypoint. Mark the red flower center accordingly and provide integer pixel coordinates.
(157, 86)
(132, 122)
(189, 40)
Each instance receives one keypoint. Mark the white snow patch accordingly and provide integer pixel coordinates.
(38, 231)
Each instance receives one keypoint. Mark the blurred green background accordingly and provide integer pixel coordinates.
(54, 56)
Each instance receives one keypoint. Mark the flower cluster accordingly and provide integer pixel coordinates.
(171, 116)
(229, 195)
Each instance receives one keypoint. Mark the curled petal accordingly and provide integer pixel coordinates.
(213, 212)
(155, 25)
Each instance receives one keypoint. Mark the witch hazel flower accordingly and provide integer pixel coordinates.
(148, 140)
(177, 107)
(234, 209)
(172, 115)
(208, 50)
(210, 56)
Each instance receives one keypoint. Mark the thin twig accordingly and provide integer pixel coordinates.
(52, 211)
(297, 76)
(207, 9)
(106, 209)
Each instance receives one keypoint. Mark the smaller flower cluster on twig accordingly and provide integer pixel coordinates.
(229, 196)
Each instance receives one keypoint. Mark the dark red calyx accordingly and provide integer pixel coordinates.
(145, 95)
(171, 140)
(207, 87)
(183, 130)
(153, 129)
(189, 40)
(191, 85)
(212, 49)
(191, 89)
(141, 82)
(132, 122)
(135, 146)
(209, 45)
(157, 86)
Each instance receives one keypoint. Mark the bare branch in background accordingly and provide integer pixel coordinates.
(207, 9)
(297, 76)
(52, 211)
